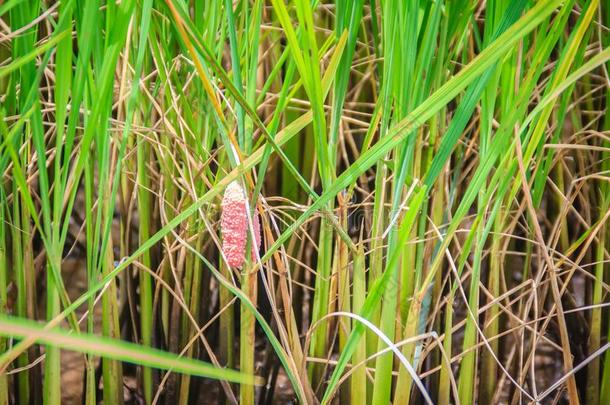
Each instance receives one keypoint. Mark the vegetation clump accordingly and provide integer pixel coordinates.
(304, 201)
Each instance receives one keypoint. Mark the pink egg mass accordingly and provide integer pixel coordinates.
(234, 226)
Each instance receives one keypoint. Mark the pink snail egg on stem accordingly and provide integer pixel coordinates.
(234, 225)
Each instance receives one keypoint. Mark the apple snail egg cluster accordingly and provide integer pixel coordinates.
(234, 226)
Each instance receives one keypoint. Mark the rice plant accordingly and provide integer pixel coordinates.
(304, 201)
